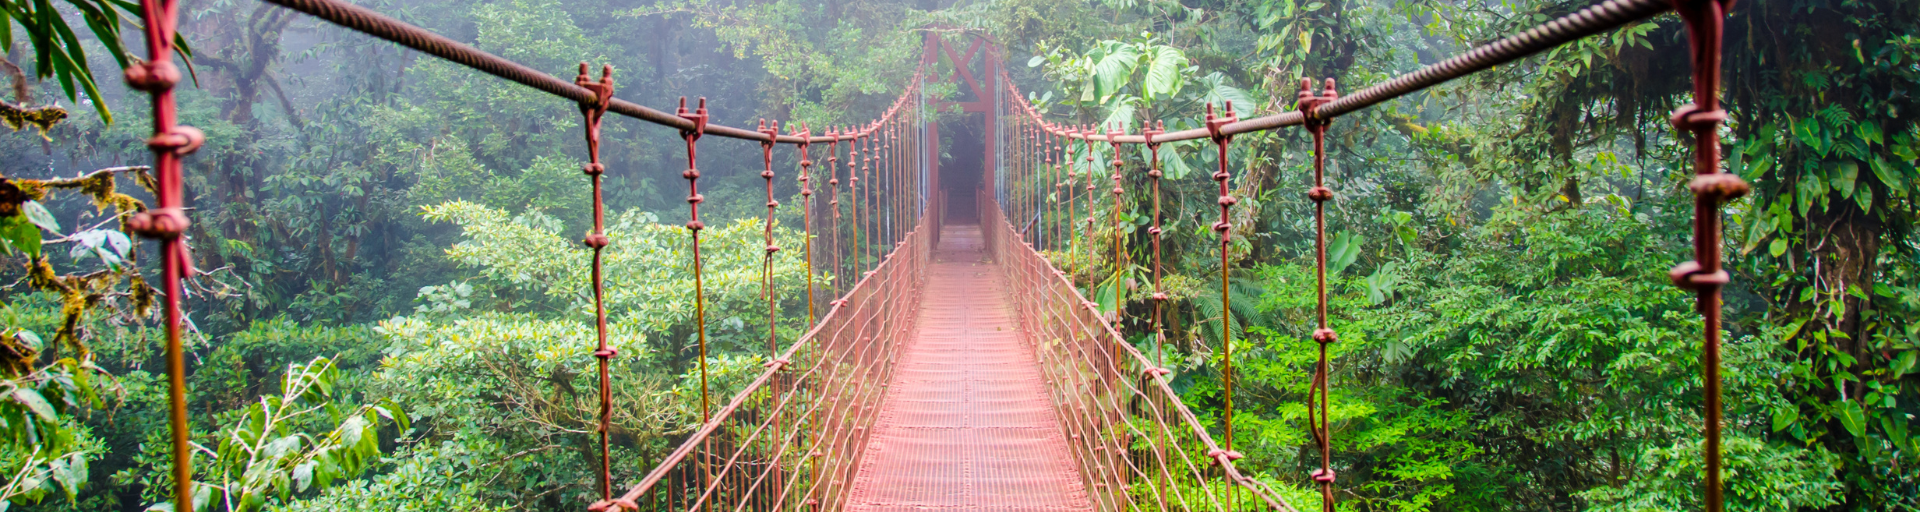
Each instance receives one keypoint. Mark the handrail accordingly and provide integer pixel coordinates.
(379, 25)
(1592, 20)
(1004, 238)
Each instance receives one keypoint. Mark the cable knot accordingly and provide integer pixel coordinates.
(690, 174)
(1223, 226)
(1719, 186)
(606, 353)
(1155, 174)
(1320, 194)
(1691, 118)
(773, 204)
(602, 92)
(698, 117)
(159, 223)
(1228, 201)
(772, 133)
(1325, 336)
(1324, 476)
(766, 174)
(805, 163)
(777, 364)
(1161, 296)
(593, 169)
(1157, 371)
(154, 76)
(773, 249)
(695, 225)
(1309, 104)
(1216, 124)
(696, 199)
(595, 240)
(1119, 191)
(1221, 453)
(1690, 275)
(1148, 129)
(181, 141)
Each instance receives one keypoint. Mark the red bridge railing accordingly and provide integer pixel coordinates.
(1134, 440)
(790, 439)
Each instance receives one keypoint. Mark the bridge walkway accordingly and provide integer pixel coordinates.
(966, 423)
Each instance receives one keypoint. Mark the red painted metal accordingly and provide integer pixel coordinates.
(1323, 334)
(168, 222)
(1052, 409)
(967, 423)
(1135, 443)
(597, 240)
(1712, 189)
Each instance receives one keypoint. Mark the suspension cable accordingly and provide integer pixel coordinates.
(1119, 253)
(806, 212)
(766, 272)
(692, 174)
(1093, 253)
(597, 240)
(1225, 228)
(833, 201)
(1712, 188)
(170, 143)
(1322, 334)
(1159, 294)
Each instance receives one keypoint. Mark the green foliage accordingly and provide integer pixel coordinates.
(58, 52)
(424, 480)
(273, 449)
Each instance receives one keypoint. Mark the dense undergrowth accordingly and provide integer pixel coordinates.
(394, 312)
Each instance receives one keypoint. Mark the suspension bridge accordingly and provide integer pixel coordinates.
(947, 363)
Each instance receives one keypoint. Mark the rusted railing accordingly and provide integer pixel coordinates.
(792, 438)
(1135, 442)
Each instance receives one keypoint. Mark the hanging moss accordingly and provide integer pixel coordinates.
(17, 117)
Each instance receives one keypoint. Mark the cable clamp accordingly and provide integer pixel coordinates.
(698, 116)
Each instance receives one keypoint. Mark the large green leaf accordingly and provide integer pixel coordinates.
(19, 234)
(1841, 176)
(1851, 417)
(36, 403)
(37, 214)
(1887, 174)
(1219, 93)
(1342, 251)
(1113, 71)
(1122, 115)
(1163, 72)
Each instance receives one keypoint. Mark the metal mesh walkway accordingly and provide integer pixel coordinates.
(966, 423)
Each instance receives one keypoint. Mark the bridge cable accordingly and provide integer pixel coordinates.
(806, 212)
(596, 239)
(1222, 140)
(1309, 104)
(1712, 188)
(167, 222)
(833, 201)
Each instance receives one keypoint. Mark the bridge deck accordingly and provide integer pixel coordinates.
(966, 423)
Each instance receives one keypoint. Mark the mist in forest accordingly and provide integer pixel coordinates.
(391, 307)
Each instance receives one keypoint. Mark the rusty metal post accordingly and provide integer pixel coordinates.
(1712, 189)
(168, 222)
(1323, 334)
